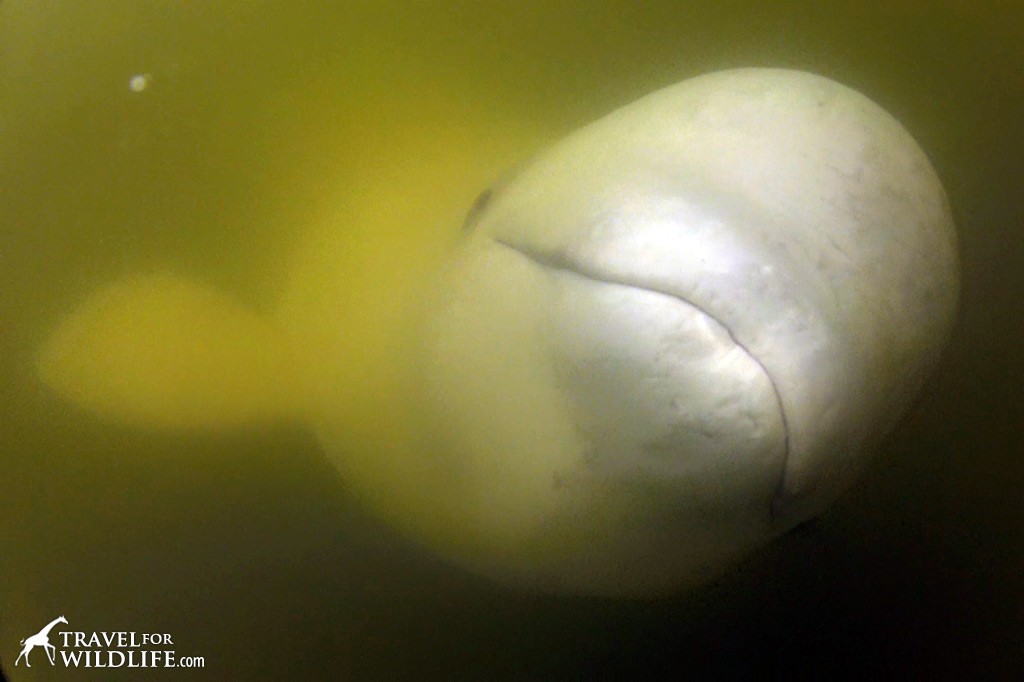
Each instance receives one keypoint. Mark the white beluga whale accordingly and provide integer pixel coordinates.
(657, 345)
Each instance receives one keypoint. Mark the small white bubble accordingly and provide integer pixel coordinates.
(139, 82)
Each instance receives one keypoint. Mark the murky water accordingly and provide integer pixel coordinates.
(231, 143)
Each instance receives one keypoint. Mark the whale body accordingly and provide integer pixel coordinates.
(656, 346)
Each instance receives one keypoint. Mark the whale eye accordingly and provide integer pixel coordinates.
(479, 206)
(484, 200)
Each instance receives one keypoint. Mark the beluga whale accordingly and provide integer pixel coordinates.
(648, 351)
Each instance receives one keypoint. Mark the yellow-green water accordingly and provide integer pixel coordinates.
(262, 129)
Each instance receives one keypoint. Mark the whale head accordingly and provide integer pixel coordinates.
(680, 331)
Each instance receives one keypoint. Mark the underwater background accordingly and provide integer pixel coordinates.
(210, 139)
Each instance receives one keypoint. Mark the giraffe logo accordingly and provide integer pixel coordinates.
(41, 638)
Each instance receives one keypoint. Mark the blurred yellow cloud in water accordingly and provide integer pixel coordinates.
(161, 350)
(164, 350)
(336, 350)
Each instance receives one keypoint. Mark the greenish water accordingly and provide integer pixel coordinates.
(243, 543)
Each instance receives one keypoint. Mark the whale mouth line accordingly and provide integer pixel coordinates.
(563, 263)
